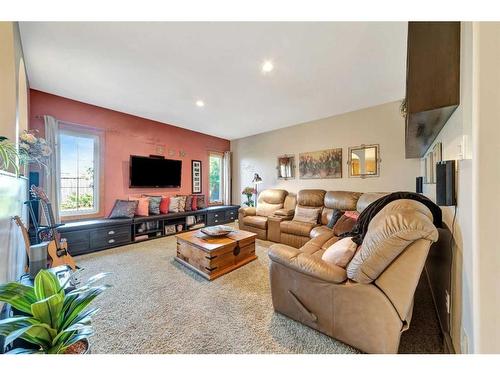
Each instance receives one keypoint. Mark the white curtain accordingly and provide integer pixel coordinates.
(52, 172)
(226, 178)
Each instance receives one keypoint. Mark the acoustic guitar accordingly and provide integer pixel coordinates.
(26, 238)
(57, 248)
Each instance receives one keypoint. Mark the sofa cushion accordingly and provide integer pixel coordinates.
(267, 209)
(390, 232)
(306, 214)
(305, 263)
(330, 242)
(336, 215)
(341, 252)
(174, 205)
(341, 200)
(311, 198)
(366, 199)
(142, 205)
(182, 202)
(272, 196)
(320, 230)
(154, 204)
(189, 203)
(123, 209)
(200, 201)
(165, 202)
(255, 221)
(343, 225)
(298, 228)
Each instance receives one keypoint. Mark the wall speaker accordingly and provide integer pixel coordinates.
(445, 183)
(419, 188)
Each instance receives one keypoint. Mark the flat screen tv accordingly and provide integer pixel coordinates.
(154, 172)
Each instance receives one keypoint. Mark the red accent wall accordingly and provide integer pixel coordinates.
(127, 135)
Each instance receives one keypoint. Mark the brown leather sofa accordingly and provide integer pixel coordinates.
(297, 233)
(254, 219)
(369, 304)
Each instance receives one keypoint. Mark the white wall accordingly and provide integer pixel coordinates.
(381, 125)
(486, 186)
(456, 140)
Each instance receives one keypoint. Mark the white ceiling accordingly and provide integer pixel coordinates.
(159, 70)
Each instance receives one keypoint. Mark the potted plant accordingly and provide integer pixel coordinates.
(249, 192)
(53, 321)
(33, 149)
(8, 155)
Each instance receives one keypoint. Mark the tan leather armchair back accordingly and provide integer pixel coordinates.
(340, 200)
(311, 198)
(366, 199)
(269, 201)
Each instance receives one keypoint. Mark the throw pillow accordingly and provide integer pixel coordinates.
(165, 202)
(194, 206)
(340, 253)
(336, 215)
(343, 225)
(174, 205)
(142, 206)
(307, 215)
(189, 203)
(123, 209)
(154, 204)
(352, 214)
(182, 203)
(200, 202)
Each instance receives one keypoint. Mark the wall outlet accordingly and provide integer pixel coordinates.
(464, 342)
(447, 302)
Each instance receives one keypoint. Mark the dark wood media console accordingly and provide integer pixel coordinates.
(87, 236)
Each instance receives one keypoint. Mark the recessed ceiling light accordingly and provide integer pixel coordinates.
(267, 66)
(200, 103)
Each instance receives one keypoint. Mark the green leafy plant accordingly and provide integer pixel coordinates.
(249, 192)
(72, 201)
(8, 155)
(53, 320)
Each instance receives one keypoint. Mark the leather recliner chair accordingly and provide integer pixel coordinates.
(369, 304)
(254, 219)
(295, 232)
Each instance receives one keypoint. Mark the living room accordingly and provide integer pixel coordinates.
(248, 187)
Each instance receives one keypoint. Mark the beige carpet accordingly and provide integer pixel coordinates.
(157, 305)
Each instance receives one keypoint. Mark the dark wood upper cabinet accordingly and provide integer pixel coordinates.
(432, 82)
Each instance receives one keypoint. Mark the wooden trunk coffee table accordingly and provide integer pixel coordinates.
(212, 257)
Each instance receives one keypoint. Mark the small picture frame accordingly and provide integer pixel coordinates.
(196, 176)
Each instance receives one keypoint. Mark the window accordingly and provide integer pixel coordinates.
(215, 178)
(79, 178)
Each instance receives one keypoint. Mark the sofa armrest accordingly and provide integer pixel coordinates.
(307, 264)
(247, 211)
(283, 212)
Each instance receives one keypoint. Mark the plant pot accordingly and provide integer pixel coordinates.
(79, 347)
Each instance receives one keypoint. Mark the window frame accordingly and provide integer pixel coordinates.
(98, 136)
(221, 183)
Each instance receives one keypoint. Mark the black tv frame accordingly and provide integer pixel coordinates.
(154, 186)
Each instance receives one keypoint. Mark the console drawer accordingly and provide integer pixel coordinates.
(231, 215)
(78, 241)
(216, 218)
(111, 236)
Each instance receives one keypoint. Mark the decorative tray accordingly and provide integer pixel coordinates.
(217, 231)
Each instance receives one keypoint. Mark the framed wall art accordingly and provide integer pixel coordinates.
(196, 176)
(321, 164)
